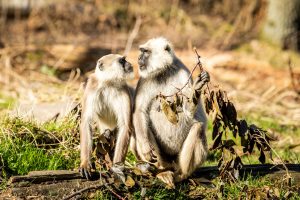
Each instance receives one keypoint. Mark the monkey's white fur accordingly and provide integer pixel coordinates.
(108, 102)
(154, 134)
(114, 72)
(159, 58)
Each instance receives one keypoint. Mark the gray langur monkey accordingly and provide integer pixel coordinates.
(177, 149)
(108, 102)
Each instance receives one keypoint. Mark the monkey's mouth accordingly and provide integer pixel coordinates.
(143, 67)
(129, 70)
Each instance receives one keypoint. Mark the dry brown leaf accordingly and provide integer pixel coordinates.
(170, 114)
(129, 182)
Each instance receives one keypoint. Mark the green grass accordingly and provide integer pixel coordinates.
(266, 123)
(6, 102)
(26, 146)
(21, 157)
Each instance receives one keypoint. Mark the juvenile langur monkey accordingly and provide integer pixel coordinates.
(106, 101)
(177, 149)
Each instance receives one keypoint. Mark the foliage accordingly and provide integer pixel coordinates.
(224, 122)
(26, 146)
(18, 147)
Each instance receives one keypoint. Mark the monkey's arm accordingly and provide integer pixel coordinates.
(86, 142)
(124, 113)
(190, 107)
(141, 126)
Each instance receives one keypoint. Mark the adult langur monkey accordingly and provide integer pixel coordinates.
(177, 149)
(107, 101)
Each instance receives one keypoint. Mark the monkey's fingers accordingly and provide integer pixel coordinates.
(153, 157)
(201, 80)
(85, 173)
(168, 178)
(205, 76)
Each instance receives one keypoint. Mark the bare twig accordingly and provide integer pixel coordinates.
(179, 90)
(198, 64)
(94, 187)
(292, 76)
(133, 34)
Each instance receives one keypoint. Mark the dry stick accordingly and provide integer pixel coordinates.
(201, 67)
(292, 75)
(187, 82)
(278, 156)
(94, 187)
(133, 34)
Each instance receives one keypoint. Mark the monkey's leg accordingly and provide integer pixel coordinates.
(153, 156)
(145, 141)
(86, 143)
(122, 143)
(193, 152)
(133, 147)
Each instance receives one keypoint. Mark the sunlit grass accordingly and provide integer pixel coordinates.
(26, 146)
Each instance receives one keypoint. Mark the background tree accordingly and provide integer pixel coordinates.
(283, 23)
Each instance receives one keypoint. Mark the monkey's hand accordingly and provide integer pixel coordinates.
(168, 178)
(201, 80)
(148, 153)
(85, 169)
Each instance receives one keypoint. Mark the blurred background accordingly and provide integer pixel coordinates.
(48, 48)
(250, 47)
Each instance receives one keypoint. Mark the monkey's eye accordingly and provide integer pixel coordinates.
(168, 48)
(100, 65)
(143, 50)
(122, 61)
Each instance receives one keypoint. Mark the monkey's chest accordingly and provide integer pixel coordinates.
(106, 115)
(169, 137)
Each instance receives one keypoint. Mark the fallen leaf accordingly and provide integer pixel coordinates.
(129, 182)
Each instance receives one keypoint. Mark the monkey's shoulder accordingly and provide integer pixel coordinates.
(92, 82)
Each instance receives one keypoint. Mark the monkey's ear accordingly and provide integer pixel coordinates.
(100, 65)
(168, 48)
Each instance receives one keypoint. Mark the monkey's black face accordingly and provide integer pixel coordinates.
(143, 58)
(126, 65)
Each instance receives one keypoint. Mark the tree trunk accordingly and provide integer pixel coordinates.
(283, 23)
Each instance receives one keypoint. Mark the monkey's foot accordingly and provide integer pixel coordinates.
(179, 177)
(85, 170)
(168, 178)
(149, 155)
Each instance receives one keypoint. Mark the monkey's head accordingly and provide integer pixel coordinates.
(113, 67)
(155, 55)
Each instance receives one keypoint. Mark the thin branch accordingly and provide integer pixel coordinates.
(133, 34)
(94, 187)
(187, 82)
(292, 75)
